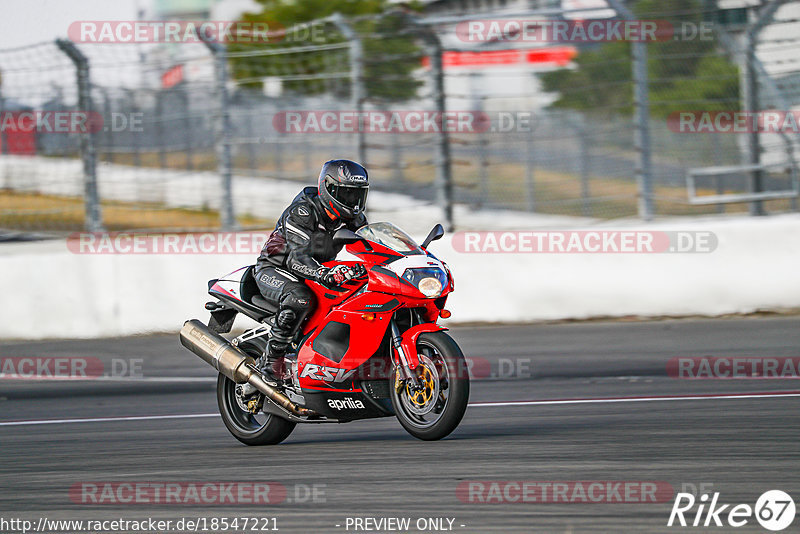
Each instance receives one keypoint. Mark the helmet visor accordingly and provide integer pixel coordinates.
(352, 197)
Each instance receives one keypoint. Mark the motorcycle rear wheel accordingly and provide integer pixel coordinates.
(250, 429)
(435, 410)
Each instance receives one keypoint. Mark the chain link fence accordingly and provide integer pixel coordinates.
(208, 135)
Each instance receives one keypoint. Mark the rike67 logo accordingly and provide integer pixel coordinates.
(774, 510)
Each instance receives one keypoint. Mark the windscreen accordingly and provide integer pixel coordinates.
(390, 236)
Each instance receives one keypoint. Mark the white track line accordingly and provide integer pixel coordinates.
(654, 398)
(106, 419)
(498, 404)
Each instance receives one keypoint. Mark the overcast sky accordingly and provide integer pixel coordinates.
(33, 21)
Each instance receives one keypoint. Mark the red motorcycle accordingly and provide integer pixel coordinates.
(371, 348)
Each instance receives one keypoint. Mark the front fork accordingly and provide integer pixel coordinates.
(405, 354)
(401, 358)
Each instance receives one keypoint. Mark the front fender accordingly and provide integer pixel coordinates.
(409, 340)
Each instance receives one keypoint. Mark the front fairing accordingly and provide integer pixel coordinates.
(386, 268)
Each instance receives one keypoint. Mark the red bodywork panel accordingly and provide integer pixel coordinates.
(365, 338)
(409, 340)
(365, 317)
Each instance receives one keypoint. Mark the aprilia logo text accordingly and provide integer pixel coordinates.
(346, 403)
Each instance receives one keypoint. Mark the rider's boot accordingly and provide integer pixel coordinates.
(276, 362)
(279, 338)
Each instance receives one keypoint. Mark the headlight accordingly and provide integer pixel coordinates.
(430, 287)
(429, 281)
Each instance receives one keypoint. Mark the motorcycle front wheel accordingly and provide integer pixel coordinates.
(433, 408)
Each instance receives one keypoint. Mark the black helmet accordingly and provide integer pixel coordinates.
(343, 186)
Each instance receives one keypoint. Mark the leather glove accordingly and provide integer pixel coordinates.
(335, 276)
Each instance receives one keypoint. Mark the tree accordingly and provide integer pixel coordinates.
(390, 53)
(683, 74)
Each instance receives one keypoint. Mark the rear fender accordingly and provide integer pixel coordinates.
(409, 341)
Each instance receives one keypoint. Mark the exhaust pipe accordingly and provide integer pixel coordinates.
(233, 363)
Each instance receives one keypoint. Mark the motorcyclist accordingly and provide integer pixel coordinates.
(301, 242)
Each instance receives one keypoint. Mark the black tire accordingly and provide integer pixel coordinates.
(263, 429)
(444, 422)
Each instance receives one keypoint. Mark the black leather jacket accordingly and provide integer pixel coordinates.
(303, 237)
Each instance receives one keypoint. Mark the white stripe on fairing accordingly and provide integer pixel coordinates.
(296, 230)
(498, 404)
(287, 274)
(415, 261)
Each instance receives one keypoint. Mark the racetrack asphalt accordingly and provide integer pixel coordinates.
(622, 419)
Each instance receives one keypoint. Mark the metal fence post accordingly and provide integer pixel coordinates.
(93, 215)
(585, 147)
(444, 171)
(762, 76)
(641, 101)
(357, 90)
(224, 163)
(108, 140)
(644, 169)
(159, 133)
(184, 93)
(530, 164)
(134, 139)
(750, 98)
(3, 148)
(483, 145)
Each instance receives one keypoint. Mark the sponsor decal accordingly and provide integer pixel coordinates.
(326, 374)
(272, 281)
(345, 404)
(304, 269)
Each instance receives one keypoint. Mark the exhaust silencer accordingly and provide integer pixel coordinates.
(233, 363)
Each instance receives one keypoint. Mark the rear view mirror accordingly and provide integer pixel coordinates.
(436, 233)
(345, 237)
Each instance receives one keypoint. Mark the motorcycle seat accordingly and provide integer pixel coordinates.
(260, 302)
(252, 295)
